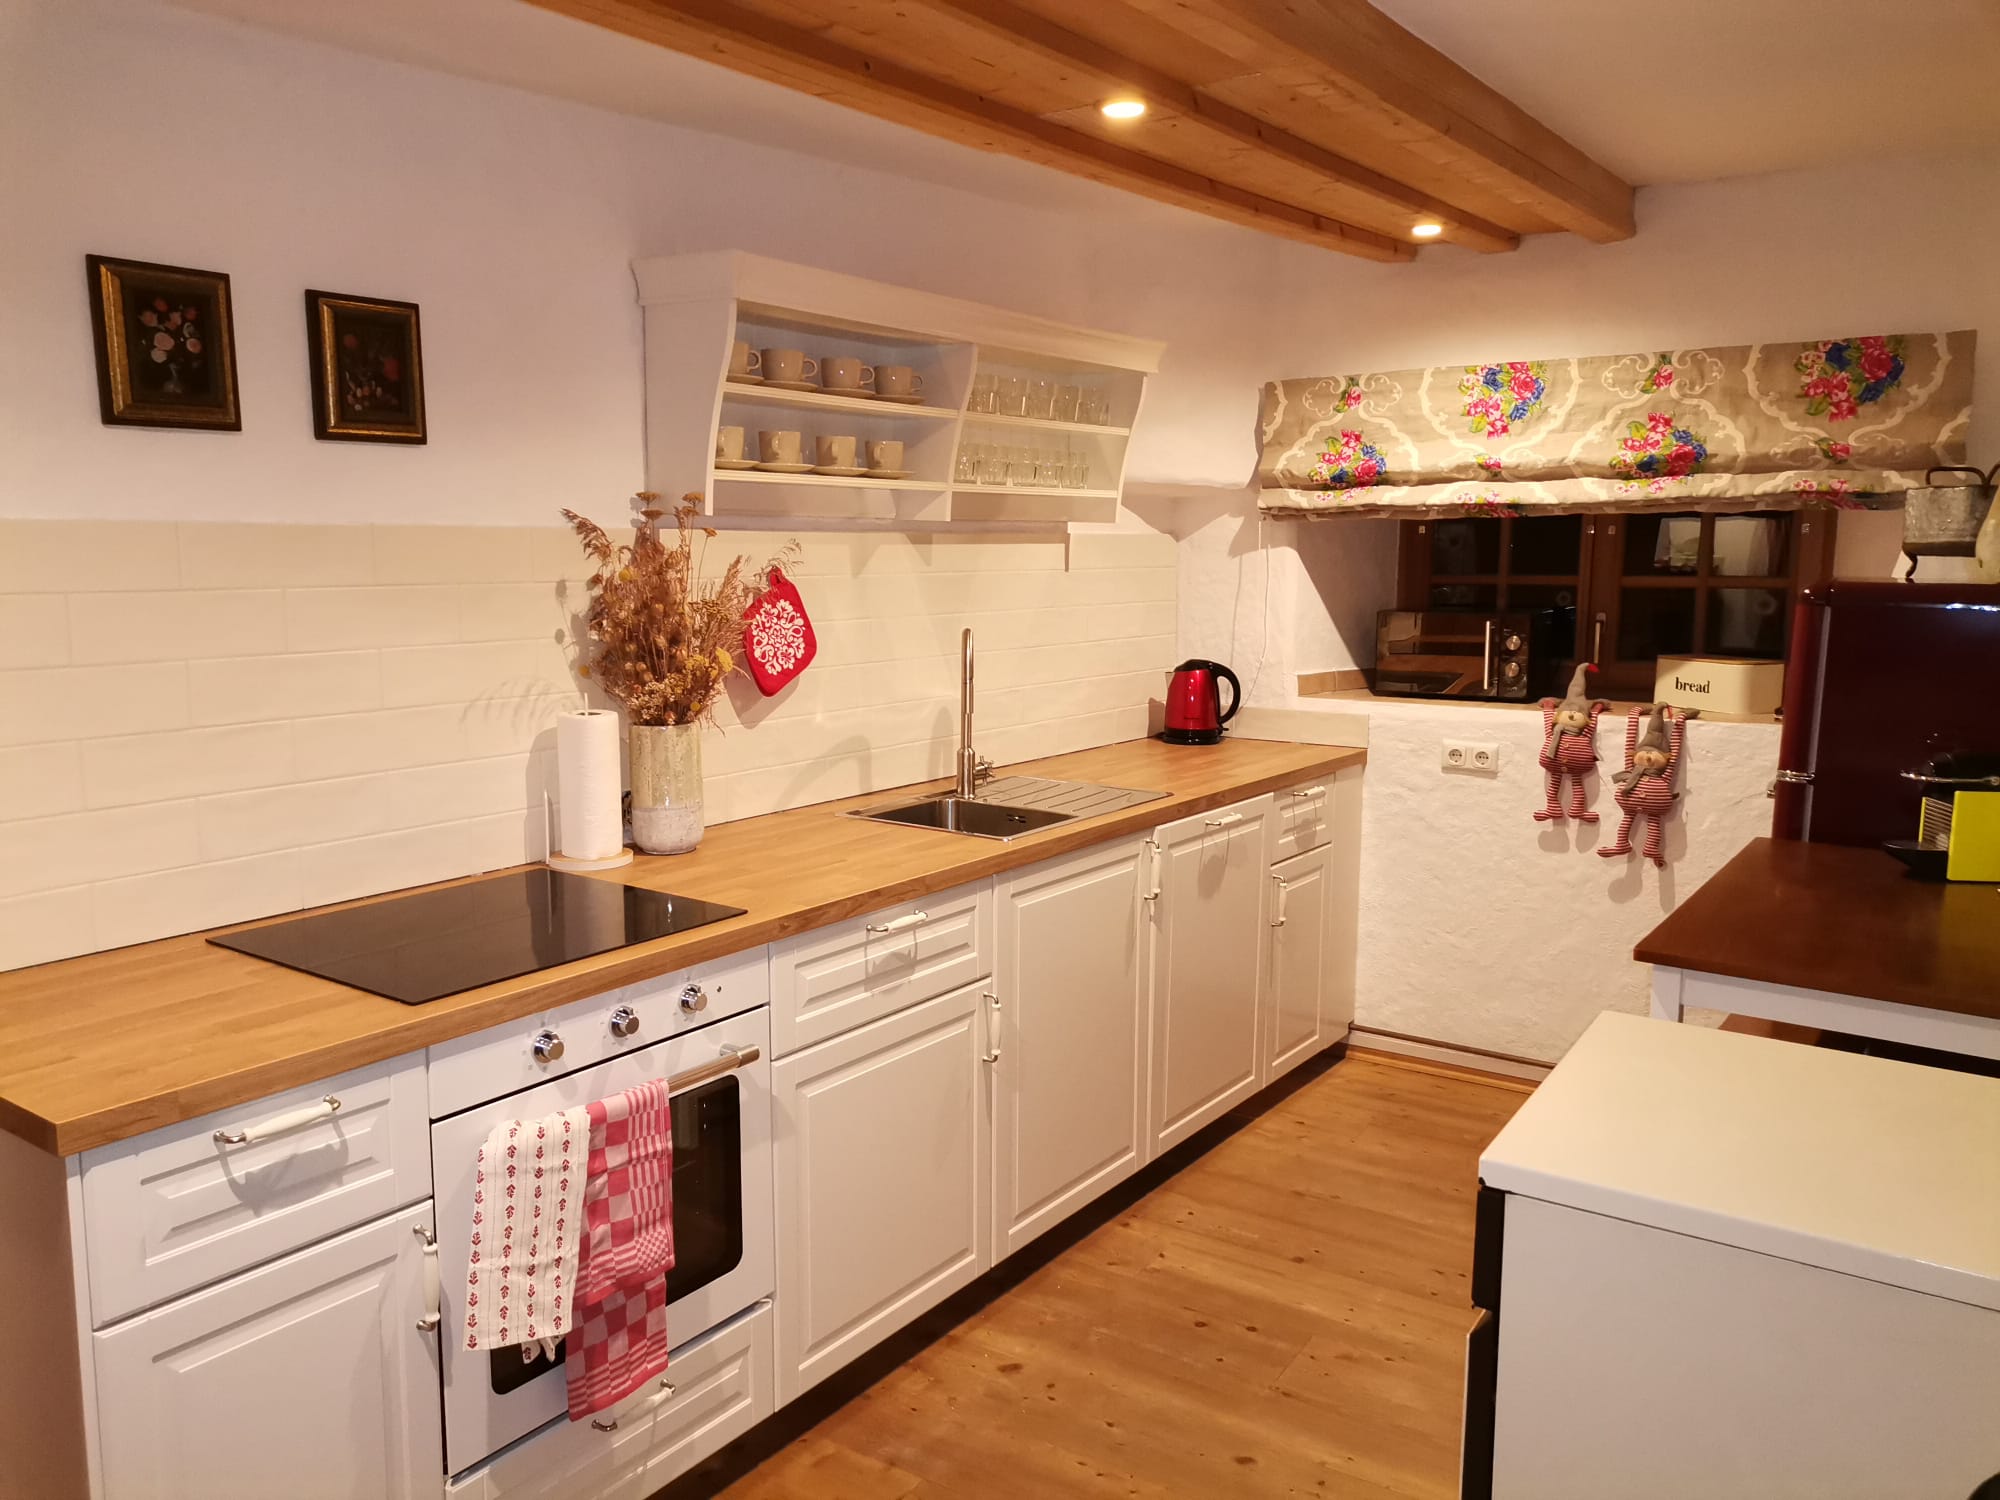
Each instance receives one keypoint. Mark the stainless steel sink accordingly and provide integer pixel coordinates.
(1009, 807)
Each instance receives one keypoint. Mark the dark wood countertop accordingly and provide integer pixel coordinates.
(110, 1045)
(1845, 920)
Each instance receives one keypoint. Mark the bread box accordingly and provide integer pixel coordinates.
(1720, 684)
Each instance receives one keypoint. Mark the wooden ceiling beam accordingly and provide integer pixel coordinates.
(1378, 68)
(746, 42)
(1008, 24)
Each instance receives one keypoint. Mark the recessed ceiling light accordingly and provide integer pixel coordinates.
(1126, 108)
(1428, 230)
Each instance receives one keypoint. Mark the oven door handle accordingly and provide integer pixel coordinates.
(733, 1057)
(1486, 660)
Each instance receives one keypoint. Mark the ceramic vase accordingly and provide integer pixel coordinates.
(666, 787)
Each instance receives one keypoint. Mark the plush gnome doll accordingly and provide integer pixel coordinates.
(1645, 788)
(1569, 745)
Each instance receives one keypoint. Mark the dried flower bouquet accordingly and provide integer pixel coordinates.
(658, 637)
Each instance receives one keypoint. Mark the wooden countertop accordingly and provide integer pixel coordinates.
(1845, 920)
(99, 1048)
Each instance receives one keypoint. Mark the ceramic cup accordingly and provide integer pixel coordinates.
(743, 360)
(779, 447)
(885, 453)
(836, 452)
(845, 373)
(729, 443)
(789, 365)
(896, 380)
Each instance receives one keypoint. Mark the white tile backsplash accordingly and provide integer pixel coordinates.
(228, 721)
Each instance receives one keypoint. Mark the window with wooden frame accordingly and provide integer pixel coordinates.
(1640, 585)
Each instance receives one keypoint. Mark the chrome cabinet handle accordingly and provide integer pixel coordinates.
(547, 1047)
(900, 924)
(992, 1026)
(1227, 820)
(433, 1304)
(624, 1021)
(1309, 791)
(1153, 847)
(263, 1130)
(1283, 886)
(611, 1426)
(667, 1385)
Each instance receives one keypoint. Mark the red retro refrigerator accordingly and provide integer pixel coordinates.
(1882, 677)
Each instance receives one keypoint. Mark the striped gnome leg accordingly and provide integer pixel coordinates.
(1623, 843)
(1628, 810)
(1551, 766)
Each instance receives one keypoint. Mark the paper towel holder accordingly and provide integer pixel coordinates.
(557, 861)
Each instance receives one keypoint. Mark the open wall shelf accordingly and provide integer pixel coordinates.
(698, 306)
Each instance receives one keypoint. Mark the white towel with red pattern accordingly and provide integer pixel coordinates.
(618, 1339)
(527, 1211)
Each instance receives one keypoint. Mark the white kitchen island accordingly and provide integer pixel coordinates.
(1725, 1266)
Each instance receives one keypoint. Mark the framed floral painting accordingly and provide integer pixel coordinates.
(367, 369)
(166, 349)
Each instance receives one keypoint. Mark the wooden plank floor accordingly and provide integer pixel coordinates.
(1285, 1316)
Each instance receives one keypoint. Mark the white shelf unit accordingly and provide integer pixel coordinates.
(697, 306)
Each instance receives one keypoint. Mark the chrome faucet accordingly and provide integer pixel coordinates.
(971, 768)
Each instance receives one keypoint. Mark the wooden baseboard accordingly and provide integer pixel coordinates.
(1467, 1062)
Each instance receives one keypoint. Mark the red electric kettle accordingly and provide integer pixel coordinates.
(1194, 703)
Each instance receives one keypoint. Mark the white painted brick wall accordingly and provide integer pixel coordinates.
(205, 723)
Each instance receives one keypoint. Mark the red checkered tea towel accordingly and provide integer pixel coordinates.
(527, 1218)
(618, 1338)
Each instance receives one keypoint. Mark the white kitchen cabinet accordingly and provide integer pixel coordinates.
(1206, 944)
(1297, 975)
(883, 1179)
(308, 1377)
(1069, 1085)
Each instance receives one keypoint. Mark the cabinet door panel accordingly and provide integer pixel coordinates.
(1207, 949)
(1295, 971)
(883, 1186)
(307, 1378)
(1069, 1084)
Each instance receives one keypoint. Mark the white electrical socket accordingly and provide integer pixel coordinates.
(1469, 755)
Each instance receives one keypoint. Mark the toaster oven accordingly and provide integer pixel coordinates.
(1514, 655)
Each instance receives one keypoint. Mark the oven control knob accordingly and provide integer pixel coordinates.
(694, 997)
(1510, 642)
(548, 1047)
(1511, 670)
(624, 1021)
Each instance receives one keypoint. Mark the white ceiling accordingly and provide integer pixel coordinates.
(1681, 92)
(1698, 89)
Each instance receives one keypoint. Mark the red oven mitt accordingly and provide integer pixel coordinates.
(778, 639)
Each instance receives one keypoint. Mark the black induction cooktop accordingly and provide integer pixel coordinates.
(430, 944)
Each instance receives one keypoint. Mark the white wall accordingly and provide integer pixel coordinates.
(512, 220)
(1480, 927)
(244, 699)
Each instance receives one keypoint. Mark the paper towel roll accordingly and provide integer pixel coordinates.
(587, 778)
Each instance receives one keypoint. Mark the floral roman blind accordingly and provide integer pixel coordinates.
(1850, 422)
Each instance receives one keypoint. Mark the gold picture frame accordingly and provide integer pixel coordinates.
(165, 344)
(367, 360)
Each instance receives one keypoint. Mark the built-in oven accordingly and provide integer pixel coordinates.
(721, 1089)
(1467, 653)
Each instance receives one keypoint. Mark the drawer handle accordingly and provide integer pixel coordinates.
(433, 1293)
(667, 1385)
(249, 1135)
(611, 1426)
(1283, 886)
(1153, 848)
(900, 924)
(1308, 791)
(992, 1055)
(1227, 820)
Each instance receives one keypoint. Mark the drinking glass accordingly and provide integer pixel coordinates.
(1013, 391)
(1091, 406)
(1077, 471)
(1067, 398)
(1041, 397)
(985, 395)
(966, 469)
